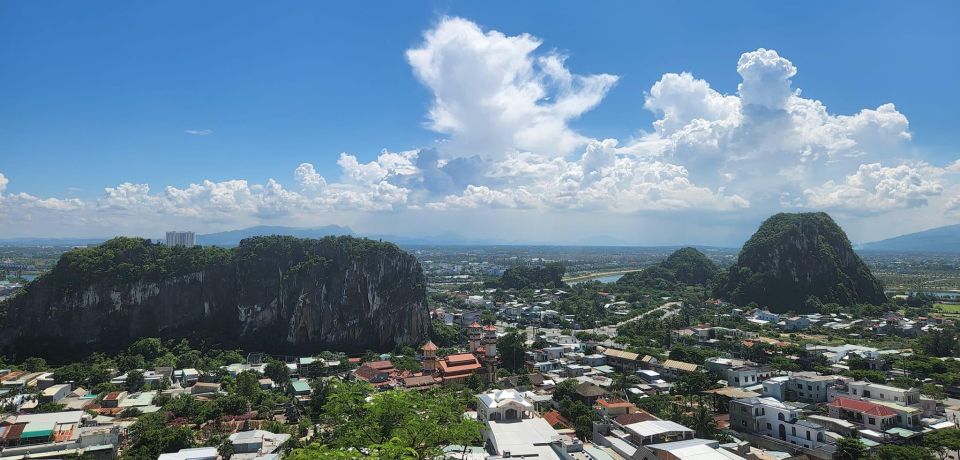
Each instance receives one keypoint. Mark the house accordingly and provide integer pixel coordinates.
(809, 387)
(594, 360)
(300, 388)
(690, 449)
(503, 405)
(187, 376)
(55, 393)
(672, 368)
(769, 417)
(865, 413)
(614, 407)
(204, 388)
(765, 316)
(906, 397)
(255, 443)
(380, 374)
(112, 399)
(57, 435)
(657, 431)
(622, 360)
(588, 393)
(532, 438)
(796, 323)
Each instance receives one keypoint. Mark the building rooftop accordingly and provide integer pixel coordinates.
(865, 407)
(527, 437)
(695, 449)
(656, 427)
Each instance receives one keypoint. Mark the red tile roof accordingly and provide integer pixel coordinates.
(636, 417)
(429, 346)
(384, 365)
(614, 403)
(865, 407)
(474, 325)
(462, 358)
(554, 419)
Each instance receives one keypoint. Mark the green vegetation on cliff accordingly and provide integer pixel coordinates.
(686, 266)
(795, 257)
(523, 277)
(269, 292)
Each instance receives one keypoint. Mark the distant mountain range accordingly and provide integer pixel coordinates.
(940, 239)
(233, 237)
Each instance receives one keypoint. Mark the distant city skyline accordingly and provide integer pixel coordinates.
(636, 124)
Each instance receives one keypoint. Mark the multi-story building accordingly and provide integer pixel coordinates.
(864, 413)
(809, 387)
(868, 390)
(769, 417)
(176, 238)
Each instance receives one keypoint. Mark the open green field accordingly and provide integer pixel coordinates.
(947, 308)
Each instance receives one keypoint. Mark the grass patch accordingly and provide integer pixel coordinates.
(947, 308)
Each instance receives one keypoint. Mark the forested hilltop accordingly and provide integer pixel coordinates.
(685, 266)
(273, 293)
(795, 261)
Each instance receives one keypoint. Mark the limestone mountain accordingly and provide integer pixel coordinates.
(273, 293)
(793, 257)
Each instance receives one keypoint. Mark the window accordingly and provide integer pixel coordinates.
(808, 435)
(809, 387)
(800, 386)
(872, 421)
(769, 427)
(743, 422)
(780, 416)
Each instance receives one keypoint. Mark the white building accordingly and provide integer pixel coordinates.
(175, 238)
(503, 405)
(769, 417)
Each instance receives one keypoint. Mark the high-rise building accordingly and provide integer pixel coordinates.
(181, 239)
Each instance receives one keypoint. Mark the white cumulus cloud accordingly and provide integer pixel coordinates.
(492, 93)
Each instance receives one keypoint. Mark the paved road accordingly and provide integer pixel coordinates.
(610, 330)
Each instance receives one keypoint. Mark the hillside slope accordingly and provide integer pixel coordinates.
(940, 239)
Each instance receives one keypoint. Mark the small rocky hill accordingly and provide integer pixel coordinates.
(793, 257)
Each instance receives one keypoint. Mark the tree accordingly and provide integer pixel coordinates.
(692, 383)
(512, 348)
(566, 389)
(134, 380)
(152, 436)
(34, 364)
(895, 452)
(149, 347)
(933, 391)
(248, 385)
(396, 424)
(277, 372)
(850, 449)
(943, 441)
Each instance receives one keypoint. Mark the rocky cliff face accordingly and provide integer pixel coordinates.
(795, 257)
(279, 294)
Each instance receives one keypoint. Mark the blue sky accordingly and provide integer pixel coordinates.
(97, 94)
